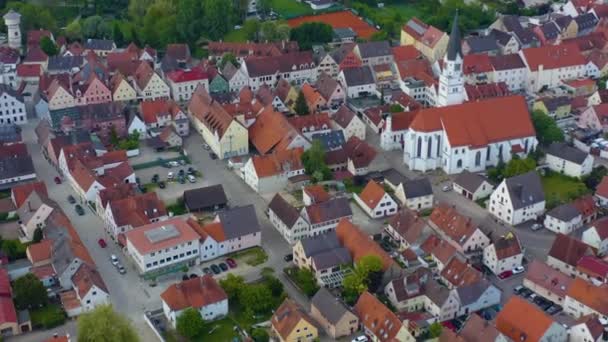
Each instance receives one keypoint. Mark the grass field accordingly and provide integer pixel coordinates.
(291, 8)
(236, 36)
(561, 189)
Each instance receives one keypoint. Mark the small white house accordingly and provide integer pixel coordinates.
(416, 194)
(287, 220)
(201, 293)
(376, 202)
(518, 199)
(359, 82)
(568, 160)
(563, 219)
(504, 254)
(472, 186)
(597, 236)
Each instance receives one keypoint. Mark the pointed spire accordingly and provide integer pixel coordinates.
(454, 47)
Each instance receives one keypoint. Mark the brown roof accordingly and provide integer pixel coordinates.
(343, 116)
(143, 74)
(139, 239)
(456, 226)
(548, 278)
(507, 246)
(180, 52)
(459, 273)
(193, 293)
(377, 318)
(278, 162)
(59, 219)
(439, 248)
(595, 297)
(602, 188)
(85, 278)
(151, 110)
(317, 193)
(478, 329)
(209, 112)
(287, 317)
(312, 122)
(372, 194)
(521, 320)
(269, 130)
(359, 152)
(40, 251)
(593, 324)
(326, 85)
(117, 192)
(137, 210)
(359, 244)
(569, 250)
(408, 224)
(22, 191)
(553, 56)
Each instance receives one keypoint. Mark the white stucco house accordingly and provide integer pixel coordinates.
(375, 201)
(568, 160)
(518, 199)
(563, 219)
(597, 236)
(504, 254)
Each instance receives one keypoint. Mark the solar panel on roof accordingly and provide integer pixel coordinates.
(416, 27)
(162, 233)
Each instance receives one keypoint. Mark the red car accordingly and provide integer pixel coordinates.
(57, 180)
(102, 243)
(505, 274)
(231, 262)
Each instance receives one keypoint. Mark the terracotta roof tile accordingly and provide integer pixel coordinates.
(460, 273)
(287, 317)
(456, 226)
(439, 248)
(507, 246)
(139, 239)
(405, 53)
(137, 210)
(85, 278)
(193, 293)
(359, 244)
(359, 152)
(40, 251)
(546, 277)
(372, 194)
(20, 192)
(317, 193)
(408, 224)
(569, 249)
(278, 162)
(553, 56)
(152, 110)
(269, 130)
(377, 318)
(341, 19)
(520, 319)
(209, 112)
(595, 297)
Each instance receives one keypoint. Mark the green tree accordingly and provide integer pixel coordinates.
(252, 29)
(232, 285)
(117, 35)
(14, 249)
(301, 106)
(435, 330)
(96, 27)
(275, 285)
(103, 324)
(309, 34)
(260, 335)
(395, 108)
(37, 235)
(48, 46)
(256, 298)
(306, 281)
(33, 16)
(189, 25)
(219, 18)
(189, 323)
(271, 31)
(593, 179)
(263, 7)
(73, 30)
(366, 275)
(518, 166)
(29, 292)
(314, 162)
(547, 130)
(137, 9)
(159, 25)
(228, 57)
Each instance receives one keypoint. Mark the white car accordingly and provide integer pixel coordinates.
(170, 175)
(206, 147)
(536, 226)
(518, 270)
(191, 179)
(447, 188)
(114, 259)
(361, 338)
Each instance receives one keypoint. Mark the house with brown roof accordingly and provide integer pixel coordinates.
(89, 291)
(295, 67)
(349, 123)
(40, 254)
(359, 244)
(160, 113)
(271, 173)
(566, 252)
(546, 281)
(121, 88)
(125, 214)
(380, 322)
(596, 235)
(427, 39)
(148, 84)
(457, 229)
(224, 134)
(33, 214)
(549, 65)
(406, 227)
(504, 254)
(438, 251)
(203, 294)
(333, 315)
(375, 201)
(584, 298)
(458, 272)
(290, 323)
(331, 90)
(477, 329)
(287, 220)
(272, 132)
(521, 320)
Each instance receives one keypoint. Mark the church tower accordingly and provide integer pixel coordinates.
(451, 80)
(12, 20)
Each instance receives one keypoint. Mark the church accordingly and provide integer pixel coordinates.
(456, 136)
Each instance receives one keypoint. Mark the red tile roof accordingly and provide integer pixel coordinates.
(486, 91)
(287, 317)
(151, 110)
(521, 320)
(209, 112)
(317, 193)
(593, 266)
(372, 194)
(427, 34)
(553, 56)
(29, 70)
(546, 277)
(193, 293)
(439, 248)
(139, 239)
(137, 210)
(457, 227)
(85, 278)
(342, 19)
(602, 188)
(476, 64)
(43, 272)
(569, 250)
(595, 297)
(278, 162)
(40, 251)
(7, 308)
(188, 75)
(377, 318)
(270, 130)
(460, 273)
(359, 244)
(20, 192)
(405, 53)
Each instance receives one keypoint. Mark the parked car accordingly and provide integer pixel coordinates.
(231, 262)
(224, 267)
(536, 226)
(170, 175)
(174, 163)
(57, 180)
(212, 155)
(207, 270)
(181, 180)
(114, 259)
(288, 257)
(518, 289)
(121, 269)
(447, 188)
(79, 210)
(215, 269)
(518, 270)
(71, 199)
(181, 172)
(525, 292)
(361, 338)
(155, 178)
(102, 243)
(191, 171)
(182, 162)
(505, 274)
(191, 179)
(554, 309)
(161, 184)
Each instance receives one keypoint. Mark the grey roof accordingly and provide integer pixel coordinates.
(550, 30)
(344, 33)
(326, 85)
(287, 213)
(13, 167)
(586, 21)
(10, 91)
(206, 197)
(229, 70)
(501, 37)
(470, 293)
(417, 188)
(454, 48)
(526, 36)
(553, 103)
(11, 133)
(569, 153)
(239, 221)
(320, 243)
(565, 212)
(375, 49)
(481, 44)
(62, 253)
(23, 316)
(507, 62)
(358, 76)
(333, 209)
(394, 177)
(343, 116)
(332, 258)
(525, 189)
(563, 22)
(99, 44)
(65, 63)
(331, 140)
(168, 64)
(437, 293)
(330, 307)
(469, 181)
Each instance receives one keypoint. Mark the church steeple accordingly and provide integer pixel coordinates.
(454, 47)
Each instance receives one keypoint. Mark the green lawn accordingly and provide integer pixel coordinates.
(561, 189)
(236, 36)
(48, 317)
(291, 8)
(221, 330)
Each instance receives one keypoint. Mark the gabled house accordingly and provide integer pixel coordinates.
(331, 90)
(203, 294)
(89, 290)
(587, 328)
(123, 215)
(236, 77)
(379, 321)
(358, 81)
(477, 296)
(518, 199)
(406, 228)
(374, 53)
(296, 67)
(429, 40)
(271, 173)
(520, 319)
(568, 160)
(584, 298)
(121, 88)
(546, 281)
(565, 253)
(458, 272)
(349, 123)
(416, 194)
(595, 117)
(563, 219)
(33, 214)
(209, 198)
(332, 315)
(148, 84)
(457, 229)
(375, 201)
(158, 114)
(183, 82)
(287, 220)
(472, 186)
(438, 252)
(359, 245)
(291, 323)
(325, 216)
(504, 254)
(596, 236)
(549, 65)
